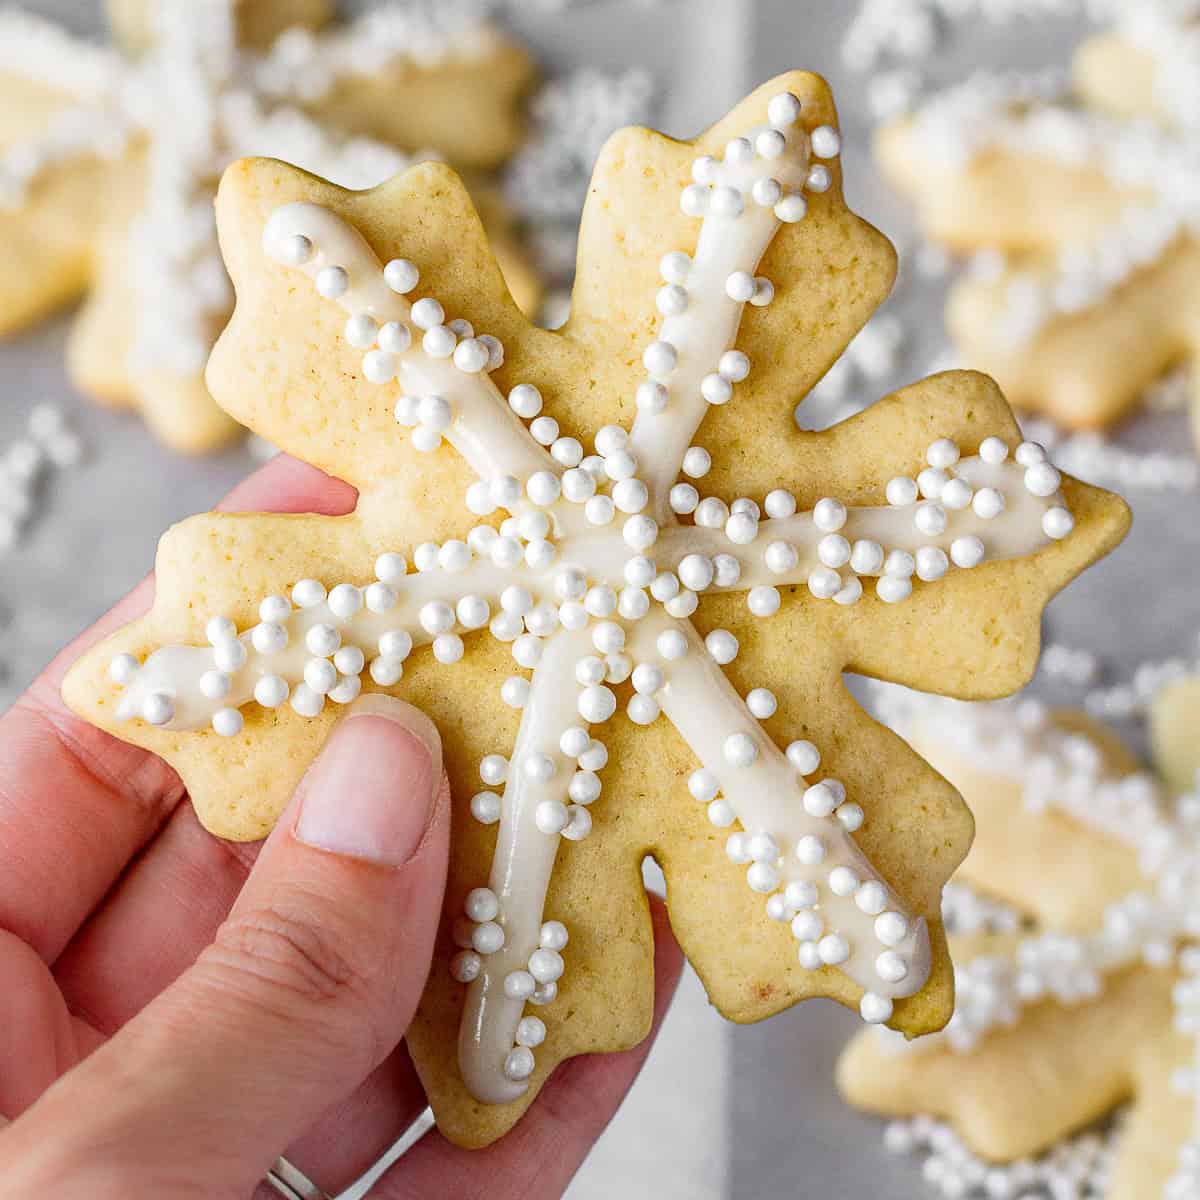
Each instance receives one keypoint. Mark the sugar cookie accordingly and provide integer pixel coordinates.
(628, 564)
(1058, 1022)
(105, 185)
(134, 22)
(1087, 266)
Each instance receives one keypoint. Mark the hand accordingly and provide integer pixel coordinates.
(176, 1010)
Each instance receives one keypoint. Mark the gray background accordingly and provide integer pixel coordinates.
(721, 1111)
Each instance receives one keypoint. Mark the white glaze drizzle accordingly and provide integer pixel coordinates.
(521, 867)
(198, 101)
(484, 429)
(1157, 926)
(1028, 116)
(302, 66)
(769, 795)
(174, 671)
(1065, 770)
(728, 242)
(564, 567)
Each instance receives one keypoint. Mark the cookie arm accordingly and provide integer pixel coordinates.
(842, 913)
(61, 156)
(1086, 368)
(468, 106)
(1086, 1057)
(57, 67)
(449, 389)
(533, 815)
(743, 201)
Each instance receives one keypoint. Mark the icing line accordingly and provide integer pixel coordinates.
(580, 565)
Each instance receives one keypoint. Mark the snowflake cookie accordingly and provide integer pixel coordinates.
(1080, 209)
(134, 23)
(680, 575)
(108, 166)
(1088, 998)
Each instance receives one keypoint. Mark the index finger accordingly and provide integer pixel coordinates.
(76, 804)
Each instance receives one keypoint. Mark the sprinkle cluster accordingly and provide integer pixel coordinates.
(1076, 1169)
(1092, 458)
(587, 566)
(49, 443)
(1032, 115)
(1132, 698)
(1156, 926)
(479, 934)
(303, 67)
(966, 912)
(1066, 771)
(199, 101)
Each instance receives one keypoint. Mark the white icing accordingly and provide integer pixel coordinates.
(303, 66)
(1029, 117)
(198, 102)
(1066, 771)
(709, 324)
(175, 671)
(521, 867)
(576, 586)
(768, 795)
(40, 51)
(484, 429)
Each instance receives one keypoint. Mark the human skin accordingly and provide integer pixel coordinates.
(177, 1010)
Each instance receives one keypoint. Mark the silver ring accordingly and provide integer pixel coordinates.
(291, 1183)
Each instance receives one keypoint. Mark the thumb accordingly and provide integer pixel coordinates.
(308, 986)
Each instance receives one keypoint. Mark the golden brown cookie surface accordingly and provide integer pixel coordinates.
(1086, 271)
(98, 192)
(286, 367)
(134, 22)
(1087, 1004)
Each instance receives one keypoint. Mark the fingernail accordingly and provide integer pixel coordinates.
(371, 792)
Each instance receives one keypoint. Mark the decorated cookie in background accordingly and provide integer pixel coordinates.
(680, 575)
(1086, 999)
(106, 181)
(1080, 209)
(1147, 65)
(1174, 727)
(134, 23)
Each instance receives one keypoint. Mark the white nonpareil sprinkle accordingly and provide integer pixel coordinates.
(1072, 665)
(1095, 459)
(201, 101)
(910, 31)
(1133, 696)
(49, 445)
(1075, 1169)
(1060, 769)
